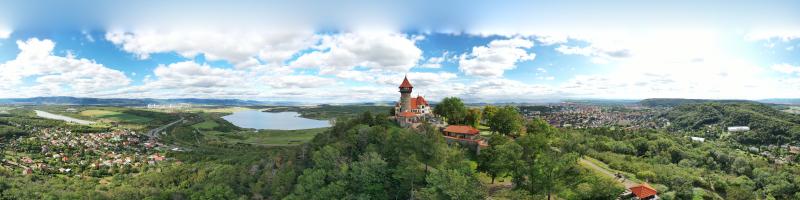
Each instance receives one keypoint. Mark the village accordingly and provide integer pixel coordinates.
(61, 151)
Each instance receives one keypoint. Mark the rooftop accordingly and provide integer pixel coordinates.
(462, 129)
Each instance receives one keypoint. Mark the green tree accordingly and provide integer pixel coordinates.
(452, 109)
(539, 126)
(500, 158)
(366, 118)
(431, 145)
(506, 121)
(473, 117)
(488, 112)
(452, 184)
(368, 177)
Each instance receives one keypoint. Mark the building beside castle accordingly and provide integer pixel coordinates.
(409, 111)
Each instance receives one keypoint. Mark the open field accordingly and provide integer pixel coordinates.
(265, 137)
(114, 116)
(206, 125)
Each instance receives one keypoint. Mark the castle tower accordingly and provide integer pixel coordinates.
(405, 95)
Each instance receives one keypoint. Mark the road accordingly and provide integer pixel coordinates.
(627, 182)
(154, 132)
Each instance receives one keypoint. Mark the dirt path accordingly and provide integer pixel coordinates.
(627, 182)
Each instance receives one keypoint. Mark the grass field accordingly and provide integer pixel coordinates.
(264, 137)
(206, 125)
(114, 116)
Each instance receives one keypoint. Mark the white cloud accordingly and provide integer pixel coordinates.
(298, 81)
(599, 55)
(435, 62)
(786, 68)
(375, 51)
(547, 40)
(243, 48)
(55, 75)
(190, 74)
(496, 57)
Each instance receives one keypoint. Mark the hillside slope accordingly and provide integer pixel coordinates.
(768, 125)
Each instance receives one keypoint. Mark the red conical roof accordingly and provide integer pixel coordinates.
(405, 83)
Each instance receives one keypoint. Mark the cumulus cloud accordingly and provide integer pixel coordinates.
(243, 48)
(435, 62)
(191, 74)
(56, 75)
(375, 51)
(496, 57)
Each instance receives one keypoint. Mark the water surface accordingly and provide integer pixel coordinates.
(271, 120)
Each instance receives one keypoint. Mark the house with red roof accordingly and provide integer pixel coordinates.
(465, 135)
(644, 191)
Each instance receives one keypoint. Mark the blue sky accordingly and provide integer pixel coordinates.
(313, 51)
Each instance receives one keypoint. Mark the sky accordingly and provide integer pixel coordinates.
(359, 51)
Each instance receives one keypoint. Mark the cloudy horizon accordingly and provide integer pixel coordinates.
(311, 51)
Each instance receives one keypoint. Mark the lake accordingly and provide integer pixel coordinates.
(273, 120)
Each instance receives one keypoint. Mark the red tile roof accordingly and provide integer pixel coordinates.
(643, 191)
(407, 114)
(405, 83)
(418, 101)
(461, 129)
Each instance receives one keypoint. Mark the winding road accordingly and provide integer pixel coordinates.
(154, 132)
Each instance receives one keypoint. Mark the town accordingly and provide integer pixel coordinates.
(61, 151)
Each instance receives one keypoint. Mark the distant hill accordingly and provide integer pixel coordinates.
(781, 101)
(667, 102)
(130, 102)
(768, 125)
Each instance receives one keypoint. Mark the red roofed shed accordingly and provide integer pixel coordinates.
(643, 191)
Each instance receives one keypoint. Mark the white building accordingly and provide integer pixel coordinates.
(738, 128)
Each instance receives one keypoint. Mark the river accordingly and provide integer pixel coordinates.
(48, 115)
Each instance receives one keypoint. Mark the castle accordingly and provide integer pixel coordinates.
(409, 111)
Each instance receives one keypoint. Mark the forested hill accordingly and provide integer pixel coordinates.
(768, 125)
(666, 102)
